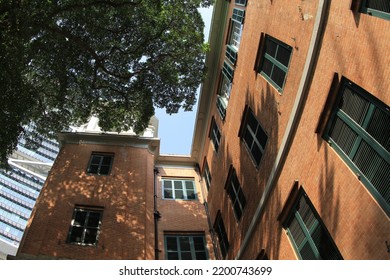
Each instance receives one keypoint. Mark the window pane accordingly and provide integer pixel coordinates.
(307, 252)
(93, 219)
(173, 256)
(237, 210)
(179, 194)
(324, 245)
(261, 136)
(256, 153)
(283, 55)
(191, 194)
(171, 243)
(76, 234)
(267, 67)
(168, 193)
(270, 47)
(93, 169)
(241, 198)
(186, 256)
(252, 122)
(278, 76)
(95, 159)
(201, 255)
(79, 218)
(306, 213)
(104, 170)
(178, 185)
(90, 236)
(167, 184)
(296, 232)
(107, 160)
(198, 243)
(184, 243)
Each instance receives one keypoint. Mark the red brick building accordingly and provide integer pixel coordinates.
(114, 197)
(296, 135)
(290, 156)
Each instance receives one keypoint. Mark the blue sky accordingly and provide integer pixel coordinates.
(176, 131)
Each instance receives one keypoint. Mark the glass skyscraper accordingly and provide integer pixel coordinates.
(19, 189)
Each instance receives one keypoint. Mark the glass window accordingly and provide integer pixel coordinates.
(207, 175)
(308, 235)
(238, 15)
(100, 163)
(179, 189)
(215, 134)
(85, 226)
(240, 2)
(185, 247)
(220, 230)
(236, 194)
(275, 62)
(253, 136)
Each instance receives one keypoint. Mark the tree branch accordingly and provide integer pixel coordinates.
(113, 3)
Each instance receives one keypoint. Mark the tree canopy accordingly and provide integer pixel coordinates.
(62, 61)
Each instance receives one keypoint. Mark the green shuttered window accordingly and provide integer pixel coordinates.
(236, 194)
(275, 62)
(253, 136)
(215, 134)
(207, 175)
(359, 130)
(308, 235)
(228, 71)
(220, 230)
(378, 8)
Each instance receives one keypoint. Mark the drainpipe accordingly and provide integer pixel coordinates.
(292, 125)
(156, 215)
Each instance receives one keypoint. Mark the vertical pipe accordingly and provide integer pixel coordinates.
(156, 215)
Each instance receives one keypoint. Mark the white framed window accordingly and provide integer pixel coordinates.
(179, 189)
(235, 36)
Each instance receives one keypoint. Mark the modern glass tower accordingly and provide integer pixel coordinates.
(19, 189)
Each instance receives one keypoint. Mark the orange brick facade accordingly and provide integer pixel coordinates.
(129, 196)
(352, 45)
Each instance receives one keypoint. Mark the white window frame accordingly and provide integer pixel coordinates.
(176, 188)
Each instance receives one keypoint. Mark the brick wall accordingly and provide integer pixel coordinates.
(125, 195)
(355, 46)
(181, 216)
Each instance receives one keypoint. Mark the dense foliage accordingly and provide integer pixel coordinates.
(62, 61)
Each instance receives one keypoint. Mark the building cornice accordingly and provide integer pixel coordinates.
(216, 42)
(152, 144)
